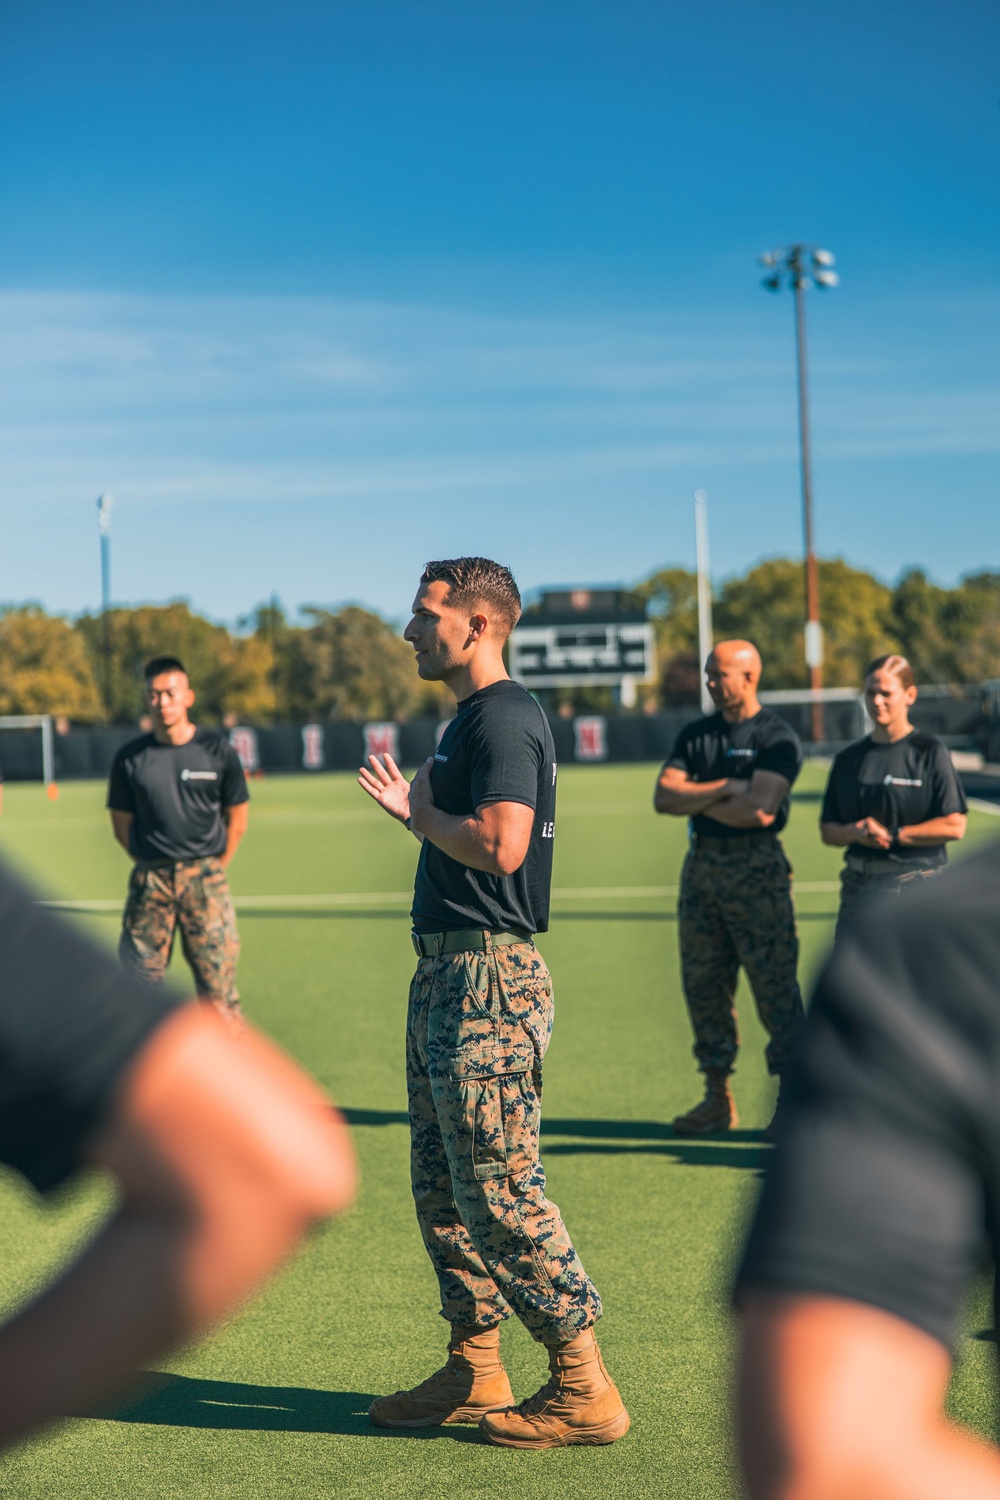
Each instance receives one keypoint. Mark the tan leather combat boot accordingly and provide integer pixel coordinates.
(579, 1403)
(473, 1381)
(717, 1111)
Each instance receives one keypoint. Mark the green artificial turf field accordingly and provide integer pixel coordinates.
(274, 1405)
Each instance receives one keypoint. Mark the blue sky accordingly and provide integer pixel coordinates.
(321, 290)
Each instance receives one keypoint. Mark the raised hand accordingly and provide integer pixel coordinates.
(387, 785)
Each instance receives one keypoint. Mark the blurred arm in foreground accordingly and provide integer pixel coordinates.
(875, 1215)
(223, 1151)
(840, 1401)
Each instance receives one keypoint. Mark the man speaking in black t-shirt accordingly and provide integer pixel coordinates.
(731, 774)
(480, 1017)
(179, 805)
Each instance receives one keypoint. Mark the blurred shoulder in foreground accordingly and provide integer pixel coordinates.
(223, 1151)
(881, 1205)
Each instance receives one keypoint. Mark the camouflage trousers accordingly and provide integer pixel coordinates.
(858, 887)
(194, 897)
(736, 910)
(477, 1030)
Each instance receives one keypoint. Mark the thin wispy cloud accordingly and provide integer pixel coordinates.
(244, 404)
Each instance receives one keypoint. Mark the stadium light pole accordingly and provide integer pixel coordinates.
(704, 593)
(801, 266)
(104, 526)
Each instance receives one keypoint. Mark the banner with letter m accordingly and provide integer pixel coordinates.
(382, 740)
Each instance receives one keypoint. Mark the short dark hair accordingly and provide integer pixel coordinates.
(893, 663)
(161, 664)
(478, 580)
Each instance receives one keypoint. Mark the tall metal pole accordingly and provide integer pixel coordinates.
(705, 642)
(273, 632)
(814, 630)
(803, 264)
(104, 523)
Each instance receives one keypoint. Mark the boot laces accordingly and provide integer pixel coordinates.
(536, 1403)
(432, 1382)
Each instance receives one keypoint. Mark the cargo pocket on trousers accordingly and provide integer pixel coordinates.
(137, 881)
(489, 1071)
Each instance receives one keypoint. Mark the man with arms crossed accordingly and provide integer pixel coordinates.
(731, 774)
(881, 1203)
(480, 1016)
(179, 807)
(223, 1154)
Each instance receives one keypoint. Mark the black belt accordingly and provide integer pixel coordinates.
(170, 864)
(736, 844)
(465, 940)
(884, 869)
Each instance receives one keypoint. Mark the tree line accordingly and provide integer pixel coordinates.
(951, 636)
(351, 663)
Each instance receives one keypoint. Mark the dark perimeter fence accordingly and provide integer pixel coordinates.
(967, 719)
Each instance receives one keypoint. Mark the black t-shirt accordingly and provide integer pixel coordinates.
(886, 1176)
(901, 784)
(712, 748)
(177, 793)
(498, 748)
(71, 1020)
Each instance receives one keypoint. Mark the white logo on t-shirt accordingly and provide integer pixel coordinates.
(187, 775)
(899, 781)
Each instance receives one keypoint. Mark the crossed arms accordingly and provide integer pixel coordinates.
(738, 804)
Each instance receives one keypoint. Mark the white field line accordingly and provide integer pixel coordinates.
(978, 805)
(396, 898)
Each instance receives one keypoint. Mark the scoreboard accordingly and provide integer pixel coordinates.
(582, 652)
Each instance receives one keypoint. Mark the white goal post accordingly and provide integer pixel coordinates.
(850, 716)
(42, 722)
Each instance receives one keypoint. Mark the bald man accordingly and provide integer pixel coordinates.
(730, 774)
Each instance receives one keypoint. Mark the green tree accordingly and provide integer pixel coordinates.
(974, 620)
(44, 668)
(228, 674)
(949, 635)
(670, 597)
(767, 606)
(921, 625)
(352, 664)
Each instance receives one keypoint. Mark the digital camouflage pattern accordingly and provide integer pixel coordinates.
(735, 910)
(477, 1030)
(194, 897)
(858, 887)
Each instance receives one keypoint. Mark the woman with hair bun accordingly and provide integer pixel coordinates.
(893, 799)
